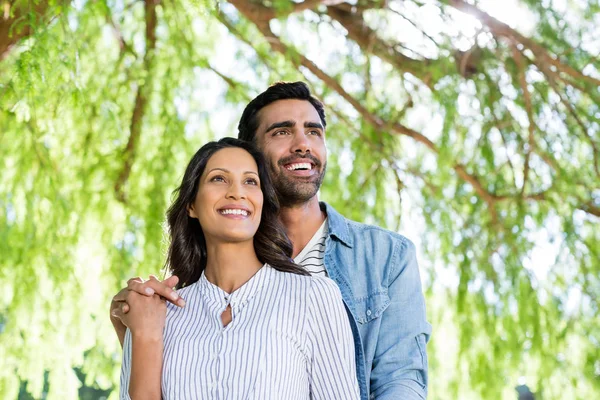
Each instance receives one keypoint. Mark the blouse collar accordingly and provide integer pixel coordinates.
(239, 297)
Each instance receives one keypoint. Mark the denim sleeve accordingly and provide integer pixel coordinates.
(400, 364)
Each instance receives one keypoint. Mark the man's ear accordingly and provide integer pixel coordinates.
(191, 211)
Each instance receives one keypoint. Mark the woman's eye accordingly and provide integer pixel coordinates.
(217, 178)
(251, 181)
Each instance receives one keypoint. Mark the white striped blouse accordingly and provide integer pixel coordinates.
(289, 338)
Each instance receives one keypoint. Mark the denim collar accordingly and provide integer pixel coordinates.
(338, 226)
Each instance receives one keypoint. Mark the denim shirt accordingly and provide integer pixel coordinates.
(378, 275)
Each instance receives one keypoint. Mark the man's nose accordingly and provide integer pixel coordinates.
(301, 143)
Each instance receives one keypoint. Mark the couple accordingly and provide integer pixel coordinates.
(256, 325)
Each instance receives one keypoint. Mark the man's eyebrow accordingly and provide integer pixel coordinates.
(316, 125)
(281, 124)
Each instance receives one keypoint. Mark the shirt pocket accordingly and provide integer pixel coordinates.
(371, 306)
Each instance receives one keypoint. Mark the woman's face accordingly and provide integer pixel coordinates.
(229, 200)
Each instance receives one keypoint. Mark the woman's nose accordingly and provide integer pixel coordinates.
(236, 191)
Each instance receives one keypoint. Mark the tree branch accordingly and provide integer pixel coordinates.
(16, 22)
(141, 99)
(590, 208)
(123, 45)
(499, 28)
(529, 109)
(368, 40)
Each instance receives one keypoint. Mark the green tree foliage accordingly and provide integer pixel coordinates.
(476, 136)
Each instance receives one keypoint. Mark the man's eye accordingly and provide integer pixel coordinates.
(280, 133)
(315, 133)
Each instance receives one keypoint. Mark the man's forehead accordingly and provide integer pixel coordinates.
(298, 111)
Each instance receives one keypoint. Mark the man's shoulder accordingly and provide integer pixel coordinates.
(366, 233)
(366, 240)
(376, 231)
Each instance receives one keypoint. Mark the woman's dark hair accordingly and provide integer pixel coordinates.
(186, 256)
(278, 91)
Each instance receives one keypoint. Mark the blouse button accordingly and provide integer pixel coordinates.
(369, 312)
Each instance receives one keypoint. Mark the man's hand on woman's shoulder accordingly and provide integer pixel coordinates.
(121, 302)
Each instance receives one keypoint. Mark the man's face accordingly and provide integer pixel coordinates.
(292, 138)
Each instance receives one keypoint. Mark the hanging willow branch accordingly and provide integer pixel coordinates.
(141, 99)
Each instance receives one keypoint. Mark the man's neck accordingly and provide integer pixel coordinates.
(230, 265)
(302, 222)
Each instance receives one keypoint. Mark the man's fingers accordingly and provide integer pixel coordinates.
(141, 287)
(120, 311)
(171, 281)
(122, 295)
(151, 287)
(136, 279)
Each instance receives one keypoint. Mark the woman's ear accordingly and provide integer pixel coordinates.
(191, 212)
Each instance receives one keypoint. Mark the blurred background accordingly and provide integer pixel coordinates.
(471, 127)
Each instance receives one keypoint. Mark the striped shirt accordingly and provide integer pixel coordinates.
(311, 256)
(289, 338)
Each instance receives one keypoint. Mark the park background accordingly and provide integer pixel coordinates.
(471, 127)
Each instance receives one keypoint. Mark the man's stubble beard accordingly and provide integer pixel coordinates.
(292, 192)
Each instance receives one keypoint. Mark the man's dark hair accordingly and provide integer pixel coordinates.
(278, 91)
(186, 256)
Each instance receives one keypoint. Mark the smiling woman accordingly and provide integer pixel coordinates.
(222, 177)
(229, 200)
(255, 325)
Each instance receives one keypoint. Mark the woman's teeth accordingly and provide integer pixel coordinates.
(234, 211)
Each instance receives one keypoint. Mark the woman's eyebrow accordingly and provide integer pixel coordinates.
(219, 169)
(228, 171)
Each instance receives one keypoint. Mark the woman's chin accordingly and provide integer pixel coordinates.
(236, 236)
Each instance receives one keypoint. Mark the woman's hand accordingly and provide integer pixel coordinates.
(119, 305)
(146, 320)
(146, 315)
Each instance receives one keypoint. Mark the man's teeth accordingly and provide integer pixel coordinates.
(235, 211)
(292, 167)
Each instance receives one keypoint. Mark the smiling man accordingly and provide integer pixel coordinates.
(375, 269)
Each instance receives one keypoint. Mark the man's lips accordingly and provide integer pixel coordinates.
(300, 166)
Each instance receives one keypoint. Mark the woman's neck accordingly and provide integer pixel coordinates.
(230, 265)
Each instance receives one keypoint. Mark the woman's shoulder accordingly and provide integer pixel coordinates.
(317, 284)
(185, 290)
(325, 286)
(187, 293)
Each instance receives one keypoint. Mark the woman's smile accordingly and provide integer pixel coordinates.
(229, 201)
(234, 211)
